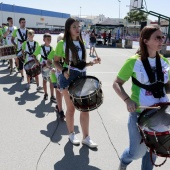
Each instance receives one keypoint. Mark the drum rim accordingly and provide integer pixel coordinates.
(83, 97)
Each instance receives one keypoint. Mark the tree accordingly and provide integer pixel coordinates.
(136, 16)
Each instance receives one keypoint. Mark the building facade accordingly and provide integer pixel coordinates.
(35, 18)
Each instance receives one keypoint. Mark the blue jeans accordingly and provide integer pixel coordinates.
(136, 149)
(74, 74)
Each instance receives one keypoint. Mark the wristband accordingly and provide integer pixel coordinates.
(64, 69)
(126, 98)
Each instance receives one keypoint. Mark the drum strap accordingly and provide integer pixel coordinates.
(156, 87)
(31, 51)
(45, 54)
(21, 36)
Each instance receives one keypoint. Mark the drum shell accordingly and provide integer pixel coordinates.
(33, 71)
(158, 142)
(89, 102)
(7, 52)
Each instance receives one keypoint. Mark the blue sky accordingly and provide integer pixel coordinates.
(110, 8)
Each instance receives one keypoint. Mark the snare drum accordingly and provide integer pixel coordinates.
(154, 126)
(7, 52)
(45, 72)
(86, 93)
(32, 69)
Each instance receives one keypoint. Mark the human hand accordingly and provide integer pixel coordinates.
(131, 105)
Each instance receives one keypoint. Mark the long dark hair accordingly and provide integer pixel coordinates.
(146, 33)
(69, 43)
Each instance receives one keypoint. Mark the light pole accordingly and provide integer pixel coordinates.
(80, 11)
(119, 19)
(14, 12)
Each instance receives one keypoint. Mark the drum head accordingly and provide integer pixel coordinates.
(84, 86)
(155, 120)
(29, 65)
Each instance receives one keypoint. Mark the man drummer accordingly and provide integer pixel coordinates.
(21, 35)
(8, 36)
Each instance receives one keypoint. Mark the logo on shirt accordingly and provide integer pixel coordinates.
(78, 48)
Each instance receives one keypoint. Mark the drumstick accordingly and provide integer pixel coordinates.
(149, 107)
(96, 54)
(69, 68)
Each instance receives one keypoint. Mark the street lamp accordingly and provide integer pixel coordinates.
(80, 11)
(119, 20)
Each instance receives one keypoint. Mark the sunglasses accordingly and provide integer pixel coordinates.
(160, 38)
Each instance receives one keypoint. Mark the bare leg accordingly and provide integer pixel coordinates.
(37, 80)
(51, 89)
(45, 86)
(84, 121)
(59, 100)
(69, 112)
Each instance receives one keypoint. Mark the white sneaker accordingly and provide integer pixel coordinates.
(87, 141)
(73, 139)
(121, 167)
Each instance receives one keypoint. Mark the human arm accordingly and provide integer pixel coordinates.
(118, 87)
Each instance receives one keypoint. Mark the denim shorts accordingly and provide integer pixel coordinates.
(64, 83)
(92, 45)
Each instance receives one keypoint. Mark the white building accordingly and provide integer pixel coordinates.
(35, 18)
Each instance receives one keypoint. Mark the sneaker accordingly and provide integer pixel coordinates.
(53, 99)
(27, 87)
(39, 88)
(22, 79)
(61, 115)
(122, 167)
(73, 139)
(45, 96)
(87, 141)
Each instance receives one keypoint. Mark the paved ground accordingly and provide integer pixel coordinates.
(27, 124)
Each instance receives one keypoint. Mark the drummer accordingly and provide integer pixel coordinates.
(8, 36)
(149, 71)
(21, 35)
(45, 50)
(54, 79)
(28, 48)
(72, 50)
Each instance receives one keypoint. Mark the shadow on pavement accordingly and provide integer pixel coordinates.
(76, 162)
(41, 109)
(26, 96)
(60, 131)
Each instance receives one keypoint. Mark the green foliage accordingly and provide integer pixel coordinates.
(136, 16)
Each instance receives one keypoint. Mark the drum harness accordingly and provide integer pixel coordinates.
(45, 54)
(21, 40)
(156, 86)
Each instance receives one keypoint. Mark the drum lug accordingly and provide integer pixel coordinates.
(89, 97)
(81, 99)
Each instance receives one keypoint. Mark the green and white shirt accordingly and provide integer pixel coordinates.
(17, 35)
(9, 36)
(39, 51)
(60, 52)
(27, 51)
(134, 67)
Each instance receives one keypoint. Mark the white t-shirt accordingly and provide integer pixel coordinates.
(77, 44)
(9, 36)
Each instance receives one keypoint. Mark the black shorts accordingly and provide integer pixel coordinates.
(21, 62)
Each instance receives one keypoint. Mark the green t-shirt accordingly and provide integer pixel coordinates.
(26, 49)
(51, 58)
(133, 67)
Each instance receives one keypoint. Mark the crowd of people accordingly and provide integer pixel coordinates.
(68, 61)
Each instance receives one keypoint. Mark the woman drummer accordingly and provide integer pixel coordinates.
(72, 49)
(150, 72)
